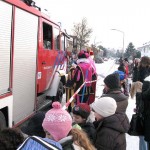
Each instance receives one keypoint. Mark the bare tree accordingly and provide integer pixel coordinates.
(82, 32)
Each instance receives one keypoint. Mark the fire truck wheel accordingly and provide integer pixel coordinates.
(60, 92)
(2, 121)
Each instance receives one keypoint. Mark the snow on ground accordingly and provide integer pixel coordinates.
(103, 70)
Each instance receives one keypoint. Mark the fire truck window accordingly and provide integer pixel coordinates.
(57, 39)
(47, 36)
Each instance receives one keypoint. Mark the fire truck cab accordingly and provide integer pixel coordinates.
(32, 60)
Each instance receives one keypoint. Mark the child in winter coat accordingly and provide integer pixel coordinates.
(110, 126)
(123, 80)
(81, 113)
(58, 126)
(112, 89)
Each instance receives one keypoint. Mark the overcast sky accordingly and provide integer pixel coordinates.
(130, 16)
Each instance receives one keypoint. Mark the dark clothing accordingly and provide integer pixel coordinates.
(120, 98)
(120, 61)
(67, 143)
(143, 73)
(131, 66)
(110, 132)
(89, 129)
(143, 76)
(34, 125)
(146, 99)
(135, 74)
(139, 103)
(148, 146)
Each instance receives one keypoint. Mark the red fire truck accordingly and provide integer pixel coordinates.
(32, 60)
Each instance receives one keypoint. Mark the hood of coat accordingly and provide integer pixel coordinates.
(67, 142)
(67, 139)
(118, 122)
(117, 95)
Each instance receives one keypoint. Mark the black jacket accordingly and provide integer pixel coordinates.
(143, 72)
(139, 103)
(89, 129)
(110, 132)
(67, 143)
(135, 74)
(146, 99)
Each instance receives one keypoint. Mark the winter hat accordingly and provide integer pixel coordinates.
(105, 106)
(112, 81)
(121, 75)
(82, 109)
(83, 54)
(57, 122)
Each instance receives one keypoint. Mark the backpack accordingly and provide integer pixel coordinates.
(36, 143)
(137, 120)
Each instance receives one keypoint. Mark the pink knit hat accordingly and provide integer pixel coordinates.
(57, 122)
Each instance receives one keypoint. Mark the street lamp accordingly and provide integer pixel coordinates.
(123, 39)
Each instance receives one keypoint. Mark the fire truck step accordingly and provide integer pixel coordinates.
(43, 102)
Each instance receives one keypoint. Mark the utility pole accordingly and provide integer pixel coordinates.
(122, 41)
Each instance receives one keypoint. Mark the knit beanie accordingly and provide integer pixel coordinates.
(113, 81)
(105, 106)
(57, 122)
(82, 109)
(121, 74)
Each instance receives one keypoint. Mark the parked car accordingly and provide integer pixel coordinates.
(105, 59)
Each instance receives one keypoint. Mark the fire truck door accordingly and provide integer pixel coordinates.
(48, 57)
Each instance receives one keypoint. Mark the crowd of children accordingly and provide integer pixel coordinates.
(60, 129)
(61, 133)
